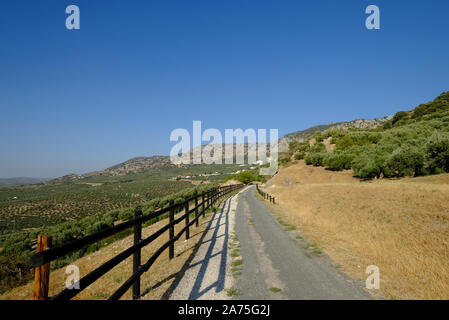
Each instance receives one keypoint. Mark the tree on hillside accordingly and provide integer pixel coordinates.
(437, 150)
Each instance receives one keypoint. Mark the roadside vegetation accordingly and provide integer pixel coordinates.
(247, 177)
(399, 225)
(413, 143)
(16, 247)
(55, 202)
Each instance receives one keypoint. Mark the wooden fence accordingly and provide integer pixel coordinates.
(46, 253)
(265, 195)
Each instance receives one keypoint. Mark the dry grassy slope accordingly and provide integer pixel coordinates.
(158, 279)
(402, 226)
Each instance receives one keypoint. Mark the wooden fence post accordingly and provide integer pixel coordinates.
(137, 254)
(204, 210)
(171, 248)
(187, 220)
(196, 211)
(208, 199)
(42, 273)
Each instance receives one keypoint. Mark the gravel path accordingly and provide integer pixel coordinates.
(276, 266)
(209, 273)
(247, 254)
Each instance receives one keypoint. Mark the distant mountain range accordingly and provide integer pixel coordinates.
(134, 165)
(19, 181)
(141, 164)
(301, 136)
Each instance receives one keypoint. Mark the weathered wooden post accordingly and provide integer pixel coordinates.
(187, 220)
(42, 273)
(273, 200)
(208, 199)
(196, 211)
(171, 231)
(137, 255)
(202, 203)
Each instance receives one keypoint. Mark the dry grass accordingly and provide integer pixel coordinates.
(154, 283)
(402, 226)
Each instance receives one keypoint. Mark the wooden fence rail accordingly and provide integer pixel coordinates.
(42, 259)
(265, 195)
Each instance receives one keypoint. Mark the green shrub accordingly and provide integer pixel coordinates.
(339, 160)
(244, 177)
(318, 147)
(293, 146)
(126, 214)
(405, 161)
(437, 151)
(300, 155)
(366, 167)
(316, 158)
(284, 160)
(304, 147)
(399, 116)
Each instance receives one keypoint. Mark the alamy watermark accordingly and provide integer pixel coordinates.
(73, 278)
(72, 21)
(192, 151)
(372, 22)
(373, 280)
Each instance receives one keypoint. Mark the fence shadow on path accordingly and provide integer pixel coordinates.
(216, 223)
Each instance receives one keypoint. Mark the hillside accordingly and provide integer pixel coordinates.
(411, 143)
(360, 193)
(301, 136)
(20, 181)
(70, 199)
(70, 208)
(153, 283)
(401, 226)
(131, 166)
(15, 244)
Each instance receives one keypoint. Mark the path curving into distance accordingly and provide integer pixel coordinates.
(276, 266)
(246, 253)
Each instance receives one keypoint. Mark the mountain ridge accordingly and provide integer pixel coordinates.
(302, 135)
(18, 181)
(143, 163)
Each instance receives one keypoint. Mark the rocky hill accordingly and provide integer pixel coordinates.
(140, 164)
(134, 165)
(300, 136)
(20, 181)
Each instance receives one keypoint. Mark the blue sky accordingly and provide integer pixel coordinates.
(77, 101)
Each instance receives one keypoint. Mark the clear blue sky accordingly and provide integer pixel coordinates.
(77, 101)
